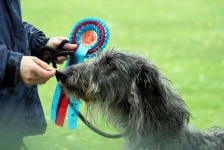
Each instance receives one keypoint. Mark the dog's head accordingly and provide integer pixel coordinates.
(111, 76)
(129, 89)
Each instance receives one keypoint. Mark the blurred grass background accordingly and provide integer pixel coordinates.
(185, 39)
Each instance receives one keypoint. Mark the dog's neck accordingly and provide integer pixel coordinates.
(152, 118)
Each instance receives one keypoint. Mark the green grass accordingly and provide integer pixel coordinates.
(183, 38)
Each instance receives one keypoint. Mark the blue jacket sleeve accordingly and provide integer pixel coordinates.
(10, 67)
(36, 37)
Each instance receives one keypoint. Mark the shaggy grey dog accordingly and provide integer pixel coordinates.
(139, 101)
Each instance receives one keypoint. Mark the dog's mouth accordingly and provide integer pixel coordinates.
(63, 89)
(73, 94)
(68, 93)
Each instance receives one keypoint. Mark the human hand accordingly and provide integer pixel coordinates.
(35, 71)
(55, 41)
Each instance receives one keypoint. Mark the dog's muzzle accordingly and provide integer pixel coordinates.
(60, 76)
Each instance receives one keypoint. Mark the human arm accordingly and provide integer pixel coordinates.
(37, 38)
(15, 67)
(9, 66)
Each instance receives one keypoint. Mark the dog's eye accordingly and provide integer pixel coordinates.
(109, 63)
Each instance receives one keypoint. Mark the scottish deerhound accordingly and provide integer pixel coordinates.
(139, 101)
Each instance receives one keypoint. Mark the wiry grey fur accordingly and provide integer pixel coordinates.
(139, 101)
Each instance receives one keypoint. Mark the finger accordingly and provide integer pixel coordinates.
(61, 59)
(45, 75)
(43, 70)
(61, 38)
(68, 46)
(35, 80)
(40, 80)
(43, 64)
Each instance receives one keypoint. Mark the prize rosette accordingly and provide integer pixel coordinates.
(91, 35)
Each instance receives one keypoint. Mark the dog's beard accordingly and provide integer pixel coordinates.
(70, 94)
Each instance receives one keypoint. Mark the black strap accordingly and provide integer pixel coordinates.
(61, 45)
(53, 53)
(60, 53)
(113, 136)
(96, 130)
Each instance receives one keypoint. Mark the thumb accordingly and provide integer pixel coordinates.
(69, 46)
(42, 64)
(43, 69)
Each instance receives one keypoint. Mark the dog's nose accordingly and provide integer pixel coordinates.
(60, 76)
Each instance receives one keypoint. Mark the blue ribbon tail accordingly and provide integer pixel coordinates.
(54, 105)
(72, 115)
(73, 110)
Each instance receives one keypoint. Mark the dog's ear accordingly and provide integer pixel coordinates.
(159, 101)
(147, 79)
